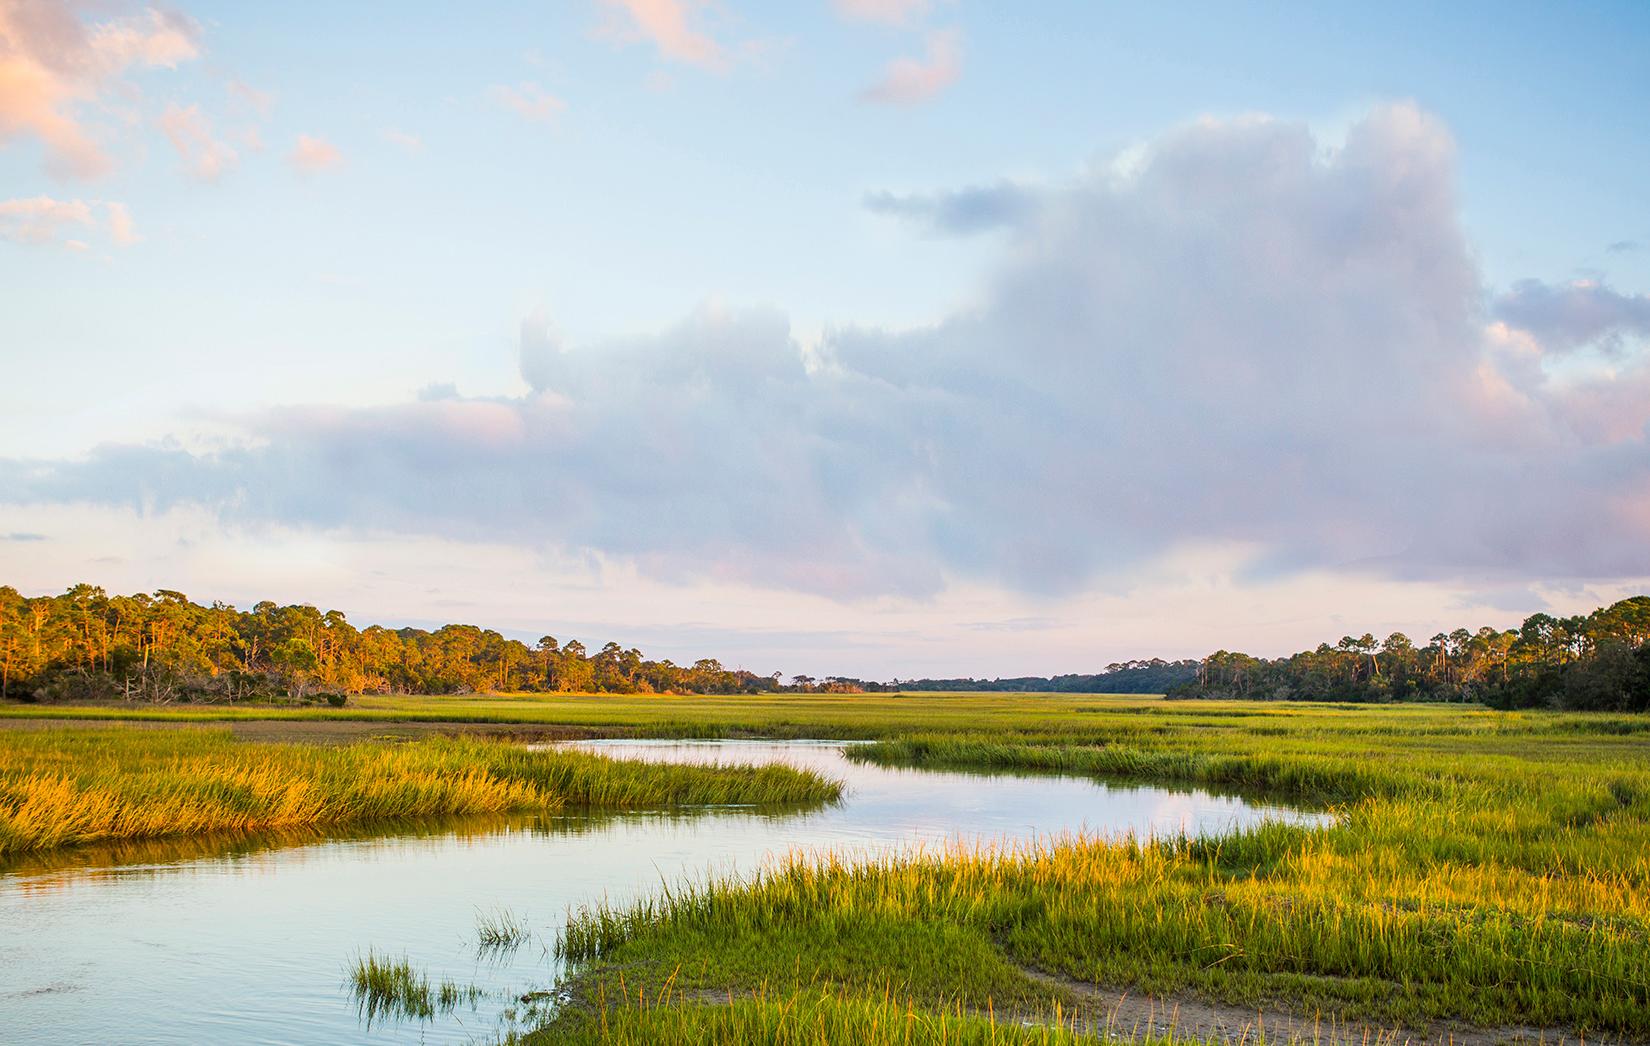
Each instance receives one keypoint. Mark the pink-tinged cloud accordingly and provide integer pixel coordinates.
(53, 66)
(666, 24)
(261, 103)
(888, 12)
(121, 229)
(313, 155)
(204, 156)
(529, 101)
(911, 81)
(44, 221)
(41, 219)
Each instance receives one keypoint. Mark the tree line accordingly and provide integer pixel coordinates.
(88, 645)
(161, 647)
(1598, 661)
(1154, 676)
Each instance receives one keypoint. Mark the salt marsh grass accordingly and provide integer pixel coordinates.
(1492, 870)
(501, 930)
(63, 786)
(391, 989)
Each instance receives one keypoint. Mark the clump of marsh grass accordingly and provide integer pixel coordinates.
(390, 989)
(501, 930)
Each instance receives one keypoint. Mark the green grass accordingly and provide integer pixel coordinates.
(1482, 867)
(66, 786)
(391, 989)
(1488, 868)
(501, 930)
(809, 1017)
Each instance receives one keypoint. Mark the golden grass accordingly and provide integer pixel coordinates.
(67, 786)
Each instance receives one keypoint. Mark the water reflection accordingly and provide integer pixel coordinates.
(248, 939)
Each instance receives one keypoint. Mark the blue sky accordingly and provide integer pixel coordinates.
(334, 207)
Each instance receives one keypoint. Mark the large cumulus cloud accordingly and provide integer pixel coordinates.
(1242, 335)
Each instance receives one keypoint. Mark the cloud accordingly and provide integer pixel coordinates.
(42, 220)
(261, 103)
(911, 81)
(22, 537)
(1564, 317)
(888, 12)
(1624, 246)
(667, 24)
(121, 229)
(410, 142)
(1247, 339)
(313, 155)
(53, 66)
(962, 211)
(529, 101)
(204, 156)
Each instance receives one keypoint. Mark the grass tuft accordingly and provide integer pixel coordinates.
(390, 989)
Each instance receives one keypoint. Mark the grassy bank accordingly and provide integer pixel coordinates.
(66, 786)
(809, 1017)
(1482, 868)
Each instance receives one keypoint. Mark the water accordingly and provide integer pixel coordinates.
(247, 940)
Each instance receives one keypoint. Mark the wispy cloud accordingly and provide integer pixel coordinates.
(53, 66)
(43, 221)
(410, 142)
(911, 81)
(204, 156)
(961, 211)
(668, 25)
(260, 103)
(121, 229)
(888, 12)
(529, 101)
(313, 155)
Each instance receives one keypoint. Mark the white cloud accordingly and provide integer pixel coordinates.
(1247, 338)
(911, 81)
(54, 66)
(204, 156)
(312, 155)
(529, 101)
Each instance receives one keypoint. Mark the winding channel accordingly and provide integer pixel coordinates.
(247, 940)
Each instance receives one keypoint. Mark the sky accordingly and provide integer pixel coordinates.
(886, 338)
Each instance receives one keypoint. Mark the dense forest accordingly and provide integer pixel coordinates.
(1598, 661)
(1122, 677)
(86, 644)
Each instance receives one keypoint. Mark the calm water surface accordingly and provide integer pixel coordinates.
(247, 940)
